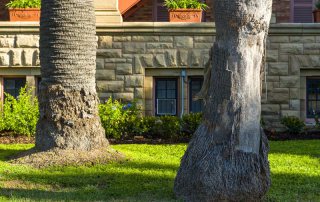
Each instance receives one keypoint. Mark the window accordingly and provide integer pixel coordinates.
(313, 97)
(12, 85)
(195, 85)
(301, 11)
(166, 96)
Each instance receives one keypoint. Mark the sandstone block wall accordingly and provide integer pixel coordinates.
(131, 55)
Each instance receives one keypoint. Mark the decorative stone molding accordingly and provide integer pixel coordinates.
(107, 11)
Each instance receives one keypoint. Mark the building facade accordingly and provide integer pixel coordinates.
(160, 65)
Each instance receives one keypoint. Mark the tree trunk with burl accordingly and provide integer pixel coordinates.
(227, 158)
(67, 96)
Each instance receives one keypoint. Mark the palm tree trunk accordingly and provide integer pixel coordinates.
(227, 159)
(67, 95)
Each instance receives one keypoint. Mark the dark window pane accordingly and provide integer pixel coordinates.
(12, 86)
(166, 93)
(195, 87)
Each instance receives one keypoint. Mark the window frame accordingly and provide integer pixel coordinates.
(156, 79)
(12, 78)
(308, 80)
(292, 13)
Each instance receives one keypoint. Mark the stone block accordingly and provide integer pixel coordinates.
(117, 45)
(15, 57)
(105, 74)
(134, 81)
(166, 38)
(285, 107)
(302, 39)
(159, 45)
(36, 58)
(270, 109)
(99, 63)
(289, 81)
(183, 41)
(129, 90)
(283, 58)
(171, 57)
(124, 68)
(110, 65)
(4, 59)
(160, 60)
(138, 93)
(278, 68)
(121, 38)
(272, 55)
(147, 60)
(294, 105)
(279, 39)
(134, 48)
(207, 39)
(311, 46)
(195, 57)
(145, 38)
(27, 41)
(279, 96)
(294, 93)
(7, 42)
(109, 53)
(273, 78)
(183, 56)
(110, 86)
(125, 97)
(138, 69)
(27, 57)
(294, 48)
(203, 45)
(120, 77)
(115, 60)
(104, 42)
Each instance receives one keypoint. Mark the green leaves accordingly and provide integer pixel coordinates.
(185, 4)
(20, 115)
(24, 4)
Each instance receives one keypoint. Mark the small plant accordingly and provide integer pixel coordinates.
(21, 114)
(185, 4)
(293, 124)
(24, 4)
(120, 120)
(317, 5)
(190, 122)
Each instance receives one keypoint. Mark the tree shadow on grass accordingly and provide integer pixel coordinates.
(6, 154)
(95, 186)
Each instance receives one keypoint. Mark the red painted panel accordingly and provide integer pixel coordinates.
(125, 5)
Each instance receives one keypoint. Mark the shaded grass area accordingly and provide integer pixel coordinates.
(148, 175)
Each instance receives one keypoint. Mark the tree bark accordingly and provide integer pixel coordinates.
(67, 95)
(227, 158)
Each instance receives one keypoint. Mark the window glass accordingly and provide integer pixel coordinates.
(313, 97)
(166, 96)
(195, 85)
(12, 86)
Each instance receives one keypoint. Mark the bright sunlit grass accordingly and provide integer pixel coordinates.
(148, 175)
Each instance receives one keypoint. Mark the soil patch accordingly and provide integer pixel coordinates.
(57, 157)
(308, 135)
(9, 138)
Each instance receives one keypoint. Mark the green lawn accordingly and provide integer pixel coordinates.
(149, 175)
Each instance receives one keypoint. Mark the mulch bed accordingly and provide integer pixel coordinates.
(309, 135)
(9, 138)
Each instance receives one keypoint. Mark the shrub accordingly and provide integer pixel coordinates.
(293, 124)
(24, 4)
(185, 4)
(20, 115)
(168, 127)
(120, 120)
(190, 122)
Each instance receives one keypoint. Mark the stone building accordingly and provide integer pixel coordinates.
(160, 64)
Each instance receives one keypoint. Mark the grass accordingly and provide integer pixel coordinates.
(149, 175)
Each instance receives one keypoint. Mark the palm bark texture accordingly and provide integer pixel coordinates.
(67, 95)
(227, 158)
